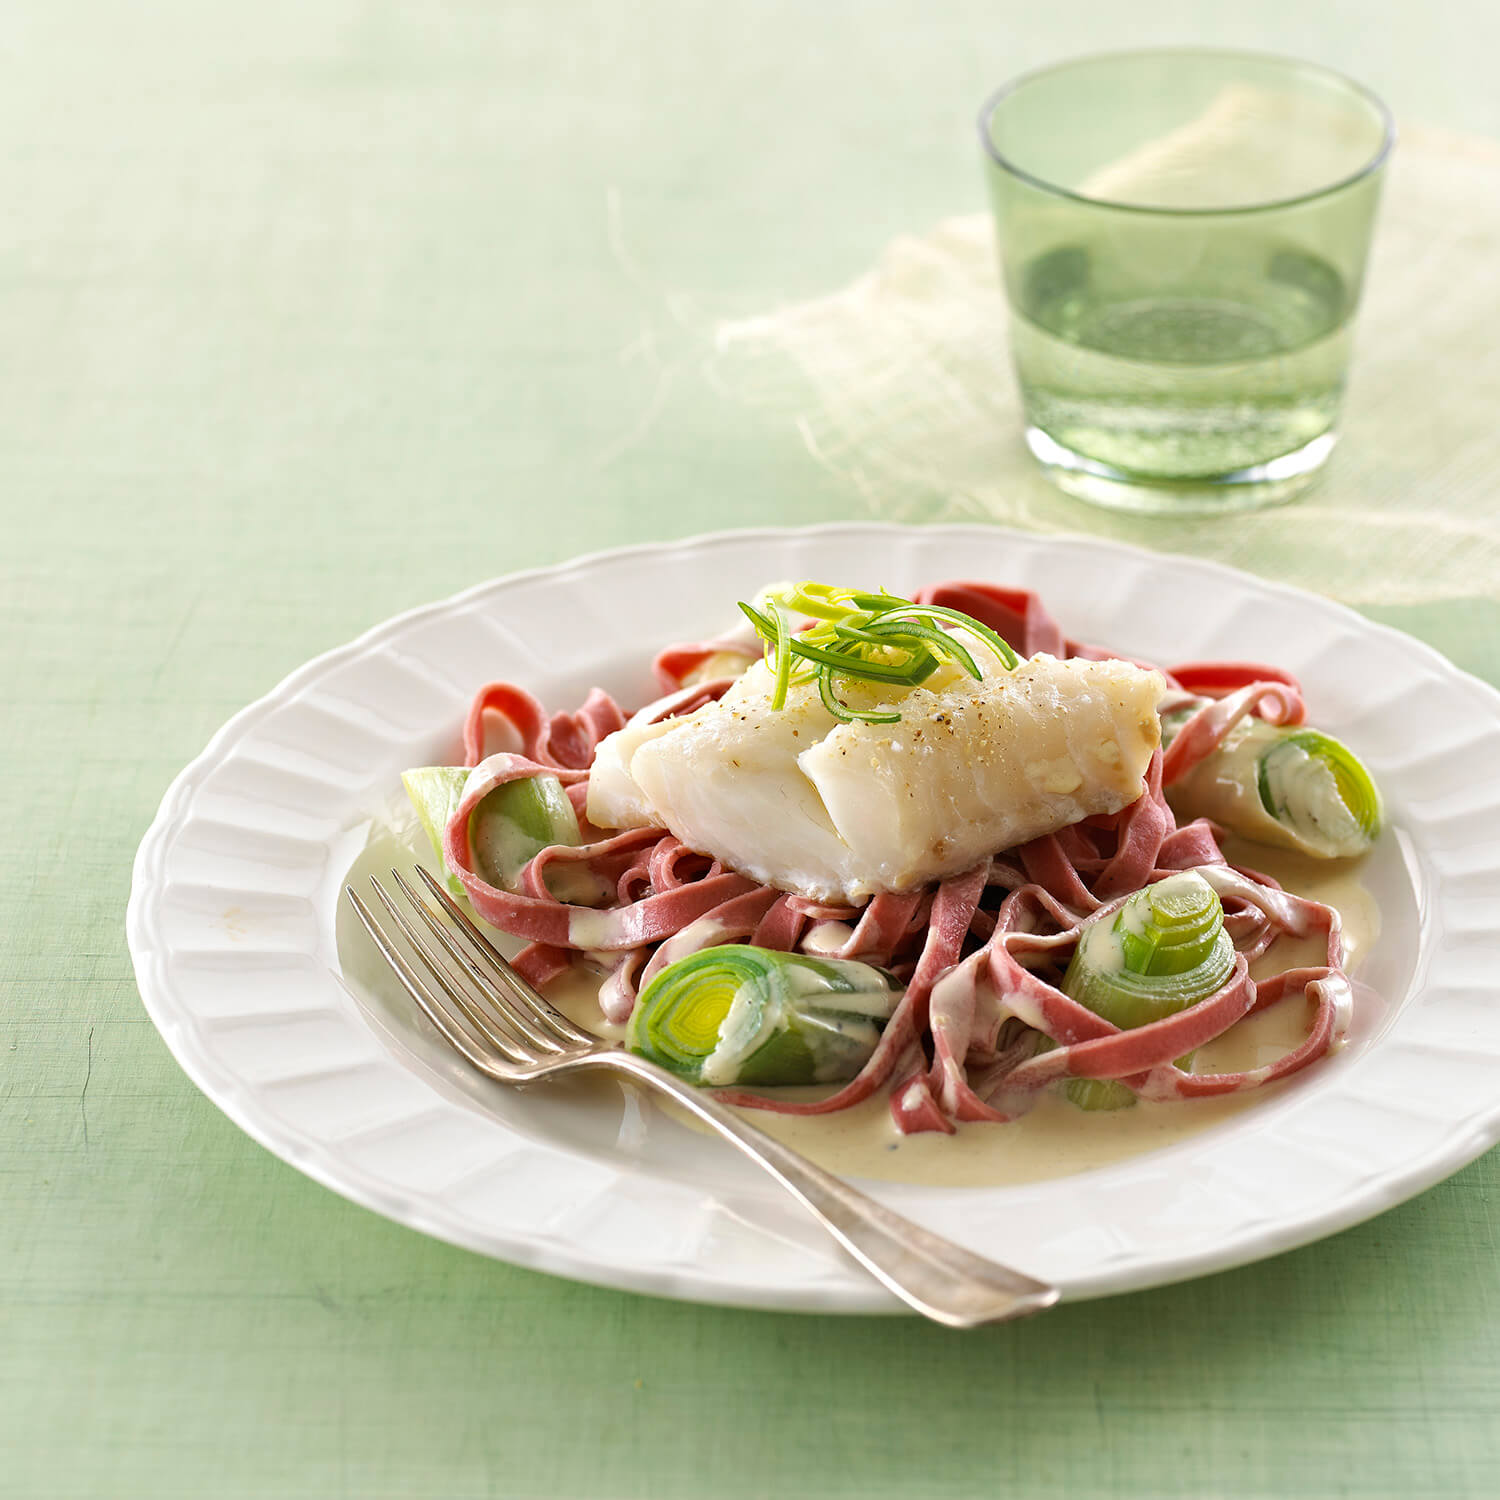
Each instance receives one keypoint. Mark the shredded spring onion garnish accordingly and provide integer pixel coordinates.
(862, 637)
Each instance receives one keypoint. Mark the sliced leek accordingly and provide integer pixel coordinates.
(512, 824)
(435, 792)
(1319, 790)
(518, 820)
(1296, 788)
(1165, 949)
(737, 1014)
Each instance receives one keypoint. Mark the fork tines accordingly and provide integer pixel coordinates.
(470, 992)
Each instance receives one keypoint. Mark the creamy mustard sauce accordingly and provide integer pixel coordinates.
(1056, 1138)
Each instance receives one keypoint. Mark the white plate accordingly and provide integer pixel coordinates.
(233, 911)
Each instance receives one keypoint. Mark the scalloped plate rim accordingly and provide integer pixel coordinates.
(1469, 1137)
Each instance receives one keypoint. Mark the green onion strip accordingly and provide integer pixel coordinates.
(783, 656)
(862, 637)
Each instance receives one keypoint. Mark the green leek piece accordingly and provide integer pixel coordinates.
(518, 820)
(1165, 950)
(1319, 789)
(1296, 788)
(1099, 1093)
(435, 792)
(737, 1014)
(510, 825)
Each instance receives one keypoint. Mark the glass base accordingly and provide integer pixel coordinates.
(1272, 483)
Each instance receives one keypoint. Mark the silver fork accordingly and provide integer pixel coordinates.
(510, 1032)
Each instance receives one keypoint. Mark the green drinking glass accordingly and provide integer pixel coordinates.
(1182, 238)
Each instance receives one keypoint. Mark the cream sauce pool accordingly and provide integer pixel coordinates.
(1056, 1138)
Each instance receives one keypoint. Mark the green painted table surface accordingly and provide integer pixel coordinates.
(312, 312)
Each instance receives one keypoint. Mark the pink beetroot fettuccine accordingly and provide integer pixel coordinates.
(982, 1027)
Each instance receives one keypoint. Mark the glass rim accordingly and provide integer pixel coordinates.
(1368, 95)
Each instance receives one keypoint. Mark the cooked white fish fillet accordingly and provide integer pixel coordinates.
(799, 800)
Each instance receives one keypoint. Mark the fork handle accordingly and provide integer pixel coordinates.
(937, 1278)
